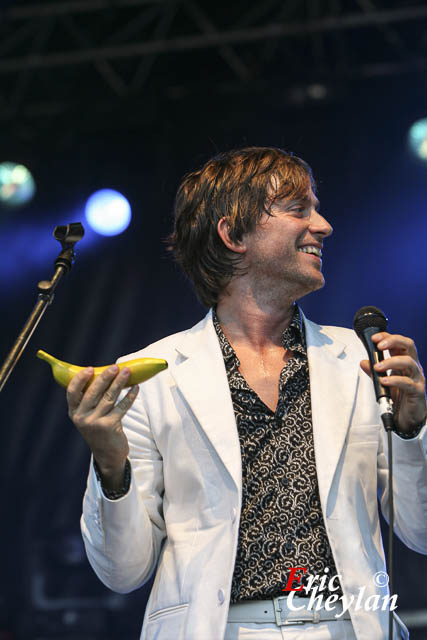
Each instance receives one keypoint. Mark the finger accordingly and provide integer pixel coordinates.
(404, 384)
(110, 396)
(381, 335)
(97, 389)
(405, 365)
(366, 367)
(76, 387)
(395, 343)
(125, 403)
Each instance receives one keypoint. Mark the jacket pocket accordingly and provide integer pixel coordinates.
(166, 611)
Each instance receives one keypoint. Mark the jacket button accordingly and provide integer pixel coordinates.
(233, 515)
(221, 596)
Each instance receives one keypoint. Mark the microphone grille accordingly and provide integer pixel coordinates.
(369, 317)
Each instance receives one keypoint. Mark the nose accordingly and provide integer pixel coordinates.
(319, 224)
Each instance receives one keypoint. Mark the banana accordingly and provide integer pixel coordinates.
(141, 369)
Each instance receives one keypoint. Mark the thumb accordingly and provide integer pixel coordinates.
(366, 367)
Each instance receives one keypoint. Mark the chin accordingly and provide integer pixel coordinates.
(320, 282)
(314, 284)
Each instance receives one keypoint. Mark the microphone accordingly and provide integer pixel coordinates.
(366, 322)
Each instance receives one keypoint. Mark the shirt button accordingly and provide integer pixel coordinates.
(233, 515)
(289, 546)
(285, 482)
(221, 596)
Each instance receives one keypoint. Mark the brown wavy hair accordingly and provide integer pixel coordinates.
(235, 185)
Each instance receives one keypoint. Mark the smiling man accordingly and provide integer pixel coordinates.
(250, 467)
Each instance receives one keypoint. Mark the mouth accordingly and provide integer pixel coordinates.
(312, 251)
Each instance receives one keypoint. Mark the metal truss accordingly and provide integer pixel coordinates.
(54, 53)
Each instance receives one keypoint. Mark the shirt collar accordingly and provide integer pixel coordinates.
(293, 338)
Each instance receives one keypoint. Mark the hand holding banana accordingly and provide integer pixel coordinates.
(93, 410)
(92, 393)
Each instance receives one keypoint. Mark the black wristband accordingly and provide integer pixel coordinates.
(411, 434)
(113, 494)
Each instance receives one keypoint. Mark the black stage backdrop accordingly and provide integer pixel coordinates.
(124, 292)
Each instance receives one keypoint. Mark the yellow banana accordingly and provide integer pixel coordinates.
(141, 369)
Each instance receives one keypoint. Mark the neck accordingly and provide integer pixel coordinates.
(259, 324)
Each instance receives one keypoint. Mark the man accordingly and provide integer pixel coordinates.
(251, 466)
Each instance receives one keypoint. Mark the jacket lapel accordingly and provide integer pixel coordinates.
(333, 385)
(202, 379)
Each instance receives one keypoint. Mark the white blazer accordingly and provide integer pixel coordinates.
(182, 511)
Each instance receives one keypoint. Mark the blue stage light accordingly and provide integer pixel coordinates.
(108, 212)
(17, 185)
(418, 138)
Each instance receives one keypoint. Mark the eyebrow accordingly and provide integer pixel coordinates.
(306, 202)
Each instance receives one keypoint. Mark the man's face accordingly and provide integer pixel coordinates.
(274, 254)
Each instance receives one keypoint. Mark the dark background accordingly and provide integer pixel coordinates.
(130, 95)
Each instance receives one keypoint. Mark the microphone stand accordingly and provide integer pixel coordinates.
(387, 418)
(68, 235)
(388, 422)
(368, 321)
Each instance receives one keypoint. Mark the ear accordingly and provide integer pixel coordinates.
(238, 246)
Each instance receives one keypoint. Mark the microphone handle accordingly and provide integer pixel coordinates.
(375, 355)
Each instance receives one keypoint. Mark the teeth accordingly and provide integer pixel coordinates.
(315, 250)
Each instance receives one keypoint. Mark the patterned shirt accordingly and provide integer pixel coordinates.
(281, 522)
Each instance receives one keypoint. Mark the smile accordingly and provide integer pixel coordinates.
(313, 250)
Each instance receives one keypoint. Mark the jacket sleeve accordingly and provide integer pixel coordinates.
(409, 487)
(123, 537)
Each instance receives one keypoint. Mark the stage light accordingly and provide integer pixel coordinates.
(317, 91)
(17, 185)
(108, 212)
(417, 138)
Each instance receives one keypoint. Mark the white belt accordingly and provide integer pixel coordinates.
(276, 610)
